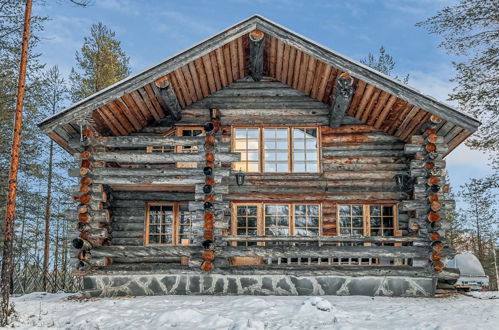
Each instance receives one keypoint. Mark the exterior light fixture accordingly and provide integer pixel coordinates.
(240, 178)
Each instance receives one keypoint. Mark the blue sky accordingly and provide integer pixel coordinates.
(151, 30)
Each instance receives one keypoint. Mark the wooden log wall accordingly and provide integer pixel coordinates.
(427, 207)
(129, 213)
(358, 164)
(92, 213)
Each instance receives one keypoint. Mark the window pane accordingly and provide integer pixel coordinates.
(281, 144)
(375, 222)
(357, 222)
(312, 167)
(345, 210)
(281, 133)
(300, 221)
(153, 239)
(387, 210)
(246, 142)
(311, 133)
(252, 133)
(387, 222)
(357, 210)
(375, 210)
(298, 133)
(252, 167)
(251, 222)
(282, 167)
(299, 167)
(345, 222)
(357, 232)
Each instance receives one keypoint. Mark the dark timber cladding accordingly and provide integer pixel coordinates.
(260, 153)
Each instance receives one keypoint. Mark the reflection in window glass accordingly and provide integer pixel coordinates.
(161, 224)
(276, 220)
(246, 141)
(184, 224)
(305, 150)
(247, 222)
(381, 220)
(169, 224)
(275, 149)
(306, 220)
(351, 220)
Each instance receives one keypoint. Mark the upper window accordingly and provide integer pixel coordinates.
(247, 142)
(277, 149)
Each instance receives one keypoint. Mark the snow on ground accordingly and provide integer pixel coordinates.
(41, 311)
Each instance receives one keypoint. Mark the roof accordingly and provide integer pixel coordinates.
(379, 100)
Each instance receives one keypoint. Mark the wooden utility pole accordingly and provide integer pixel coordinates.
(7, 263)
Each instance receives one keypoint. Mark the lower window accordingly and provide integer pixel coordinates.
(366, 220)
(168, 224)
(275, 220)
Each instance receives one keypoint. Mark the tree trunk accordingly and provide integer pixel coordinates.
(10, 213)
(46, 248)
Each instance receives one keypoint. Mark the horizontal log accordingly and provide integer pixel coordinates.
(327, 251)
(115, 251)
(415, 148)
(149, 180)
(219, 189)
(128, 226)
(419, 139)
(265, 251)
(334, 139)
(199, 206)
(379, 197)
(128, 234)
(139, 141)
(364, 146)
(155, 158)
(361, 153)
(410, 205)
(128, 241)
(138, 172)
(343, 175)
(324, 239)
(290, 188)
(421, 164)
(151, 196)
(320, 270)
(139, 218)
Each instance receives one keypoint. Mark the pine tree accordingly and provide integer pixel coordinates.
(479, 220)
(470, 29)
(100, 63)
(384, 63)
(54, 95)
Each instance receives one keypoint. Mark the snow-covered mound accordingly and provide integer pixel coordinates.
(66, 311)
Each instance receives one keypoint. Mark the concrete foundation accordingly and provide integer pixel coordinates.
(281, 285)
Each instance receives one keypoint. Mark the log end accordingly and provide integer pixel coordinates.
(256, 35)
(162, 82)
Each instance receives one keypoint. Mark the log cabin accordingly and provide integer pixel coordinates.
(260, 162)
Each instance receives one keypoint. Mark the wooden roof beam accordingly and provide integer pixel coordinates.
(256, 46)
(167, 98)
(341, 99)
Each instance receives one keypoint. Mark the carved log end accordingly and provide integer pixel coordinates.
(256, 35)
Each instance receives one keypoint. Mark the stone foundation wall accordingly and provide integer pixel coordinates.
(281, 285)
